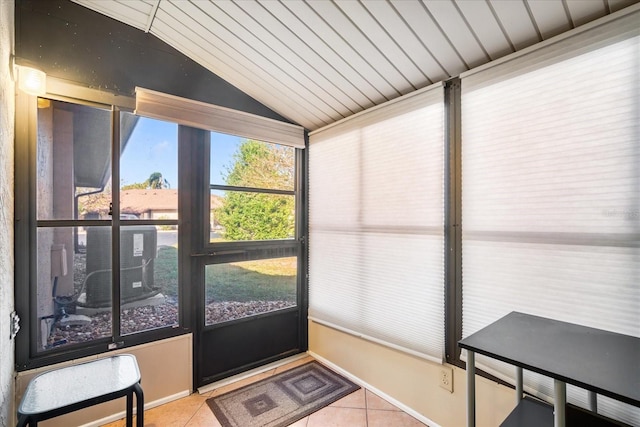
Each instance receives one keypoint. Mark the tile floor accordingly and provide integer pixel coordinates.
(359, 409)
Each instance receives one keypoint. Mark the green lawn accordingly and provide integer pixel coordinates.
(165, 271)
(261, 280)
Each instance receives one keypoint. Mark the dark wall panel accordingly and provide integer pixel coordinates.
(71, 42)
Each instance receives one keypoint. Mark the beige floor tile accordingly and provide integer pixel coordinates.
(203, 418)
(376, 402)
(119, 423)
(376, 418)
(123, 422)
(353, 400)
(174, 414)
(300, 423)
(338, 417)
(207, 394)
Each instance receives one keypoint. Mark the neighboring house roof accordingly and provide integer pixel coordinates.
(141, 201)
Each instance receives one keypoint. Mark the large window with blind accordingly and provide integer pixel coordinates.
(549, 145)
(551, 191)
(376, 224)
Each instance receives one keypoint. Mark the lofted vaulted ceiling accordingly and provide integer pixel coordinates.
(318, 61)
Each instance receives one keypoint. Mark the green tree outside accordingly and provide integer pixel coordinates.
(154, 182)
(258, 216)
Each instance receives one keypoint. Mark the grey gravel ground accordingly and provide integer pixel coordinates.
(153, 317)
(149, 317)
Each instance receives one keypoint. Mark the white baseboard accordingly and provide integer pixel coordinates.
(369, 387)
(149, 405)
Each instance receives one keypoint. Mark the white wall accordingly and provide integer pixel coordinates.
(7, 109)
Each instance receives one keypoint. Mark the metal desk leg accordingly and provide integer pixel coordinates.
(519, 388)
(139, 405)
(130, 409)
(559, 403)
(471, 389)
(593, 401)
(24, 420)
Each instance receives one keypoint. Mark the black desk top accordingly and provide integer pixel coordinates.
(597, 360)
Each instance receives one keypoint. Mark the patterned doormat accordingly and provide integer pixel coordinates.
(281, 399)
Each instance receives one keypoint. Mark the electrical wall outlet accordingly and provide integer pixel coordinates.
(446, 378)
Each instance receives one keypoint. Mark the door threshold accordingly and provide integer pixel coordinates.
(239, 377)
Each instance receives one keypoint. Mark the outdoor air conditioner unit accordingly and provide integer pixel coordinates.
(137, 254)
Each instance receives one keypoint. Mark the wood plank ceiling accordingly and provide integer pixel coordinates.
(318, 61)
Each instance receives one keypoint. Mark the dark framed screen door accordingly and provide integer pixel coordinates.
(250, 310)
(247, 260)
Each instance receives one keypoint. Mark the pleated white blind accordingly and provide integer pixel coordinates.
(551, 190)
(213, 117)
(376, 224)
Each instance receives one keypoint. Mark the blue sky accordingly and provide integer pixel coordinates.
(223, 147)
(153, 147)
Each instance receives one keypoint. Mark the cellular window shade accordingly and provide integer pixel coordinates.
(376, 224)
(550, 190)
(215, 118)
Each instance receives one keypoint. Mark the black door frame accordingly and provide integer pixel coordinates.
(290, 324)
